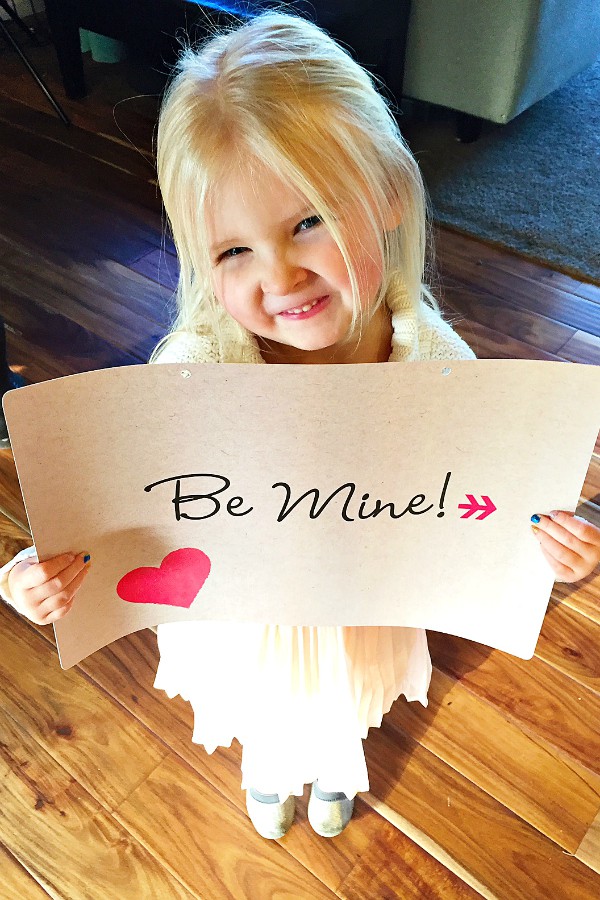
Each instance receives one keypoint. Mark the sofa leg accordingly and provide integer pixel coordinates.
(468, 128)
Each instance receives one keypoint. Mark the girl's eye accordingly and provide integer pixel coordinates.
(233, 251)
(308, 223)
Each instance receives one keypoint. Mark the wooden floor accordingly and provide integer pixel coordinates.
(494, 790)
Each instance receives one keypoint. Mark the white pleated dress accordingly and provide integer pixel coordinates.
(300, 700)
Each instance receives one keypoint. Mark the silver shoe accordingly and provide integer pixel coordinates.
(328, 813)
(270, 817)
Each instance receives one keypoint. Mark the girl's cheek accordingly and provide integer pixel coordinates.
(235, 294)
(223, 286)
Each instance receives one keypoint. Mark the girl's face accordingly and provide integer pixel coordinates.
(278, 271)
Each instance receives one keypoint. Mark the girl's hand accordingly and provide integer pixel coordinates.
(570, 544)
(44, 591)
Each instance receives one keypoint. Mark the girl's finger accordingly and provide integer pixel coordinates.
(60, 582)
(55, 601)
(554, 529)
(573, 525)
(557, 550)
(562, 572)
(39, 573)
(78, 570)
(57, 613)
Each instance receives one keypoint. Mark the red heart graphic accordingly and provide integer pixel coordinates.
(176, 583)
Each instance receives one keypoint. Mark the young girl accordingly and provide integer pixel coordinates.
(299, 219)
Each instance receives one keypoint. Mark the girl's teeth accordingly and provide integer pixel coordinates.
(301, 309)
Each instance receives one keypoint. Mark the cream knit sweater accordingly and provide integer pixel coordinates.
(424, 337)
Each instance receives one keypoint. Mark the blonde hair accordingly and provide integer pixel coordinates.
(279, 91)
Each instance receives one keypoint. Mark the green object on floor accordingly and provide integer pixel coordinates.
(103, 49)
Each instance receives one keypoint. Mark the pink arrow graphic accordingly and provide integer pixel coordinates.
(486, 508)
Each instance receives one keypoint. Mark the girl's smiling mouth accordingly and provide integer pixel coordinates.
(307, 309)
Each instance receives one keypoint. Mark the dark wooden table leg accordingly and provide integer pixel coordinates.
(64, 29)
(8, 381)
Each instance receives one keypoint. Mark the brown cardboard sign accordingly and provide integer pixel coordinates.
(385, 494)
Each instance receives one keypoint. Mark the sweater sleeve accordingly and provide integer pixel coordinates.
(438, 340)
(185, 347)
(27, 553)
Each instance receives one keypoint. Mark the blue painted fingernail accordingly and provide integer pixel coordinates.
(87, 558)
(535, 519)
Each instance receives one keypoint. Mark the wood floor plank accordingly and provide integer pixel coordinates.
(589, 849)
(60, 165)
(12, 539)
(92, 296)
(542, 299)
(32, 127)
(591, 485)
(526, 774)
(11, 499)
(393, 866)
(92, 209)
(503, 852)
(68, 347)
(582, 348)
(478, 306)
(33, 364)
(489, 344)
(583, 597)
(140, 702)
(124, 296)
(61, 216)
(588, 510)
(436, 851)
(57, 831)
(570, 643)
(556, 714)
(74, 722)
(17, 883)
(571, 311)
(160, 266)
(175, 813)
(459, 246)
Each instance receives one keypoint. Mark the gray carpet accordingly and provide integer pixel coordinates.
(532, 186)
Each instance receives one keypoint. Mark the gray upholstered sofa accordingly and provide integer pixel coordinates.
(495, 58)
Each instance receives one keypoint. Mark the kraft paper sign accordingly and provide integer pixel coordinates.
(387, 494)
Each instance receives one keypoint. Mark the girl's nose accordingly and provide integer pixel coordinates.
(281, 275)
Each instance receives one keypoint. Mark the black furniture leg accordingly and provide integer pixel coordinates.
(468, 128)
(64, 28)
(8, 381)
